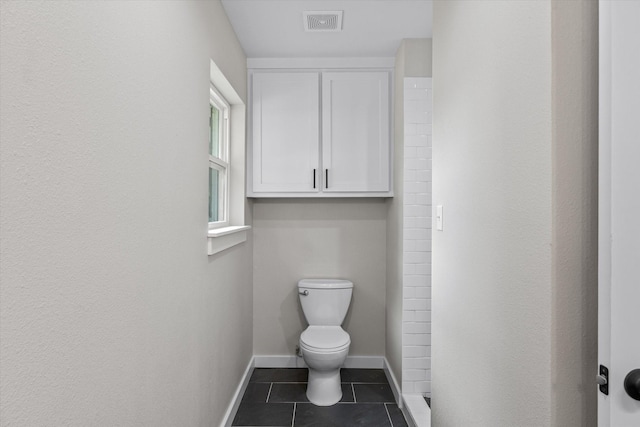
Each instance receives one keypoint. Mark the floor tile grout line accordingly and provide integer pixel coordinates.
(359, 382)
(289, 382)
(346, 382)
(269, 393)
(293, 418)
(280, 382)
(386, 408)
(354, 393)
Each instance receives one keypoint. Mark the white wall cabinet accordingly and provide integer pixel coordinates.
(285, 124)
(320, 134)
(355, 131)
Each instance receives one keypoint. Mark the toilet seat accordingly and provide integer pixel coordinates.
(324, 339)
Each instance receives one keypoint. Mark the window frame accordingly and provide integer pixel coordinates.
(221, 163)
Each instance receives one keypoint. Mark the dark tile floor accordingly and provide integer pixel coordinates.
(277, 397)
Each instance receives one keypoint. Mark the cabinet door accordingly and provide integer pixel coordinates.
(355, 131)
(285, 132)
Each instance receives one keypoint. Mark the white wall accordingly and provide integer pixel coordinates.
(296, 239)
(112, 313)
(515, 168)
(492, 152)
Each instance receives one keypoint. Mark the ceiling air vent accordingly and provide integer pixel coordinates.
(322, 20)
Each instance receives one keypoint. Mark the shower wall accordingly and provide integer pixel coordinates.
(417, 214)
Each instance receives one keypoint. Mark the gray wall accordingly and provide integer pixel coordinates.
(417, 57)
(492, 147)
(575, 205)
(514, 167)
(112, 313)
(296, 239)
(413, 59)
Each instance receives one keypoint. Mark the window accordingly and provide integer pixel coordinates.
(227, 124)
(218, 160)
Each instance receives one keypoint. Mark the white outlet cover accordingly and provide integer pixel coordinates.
(439, 218)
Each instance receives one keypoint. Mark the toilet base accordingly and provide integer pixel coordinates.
(323, 388)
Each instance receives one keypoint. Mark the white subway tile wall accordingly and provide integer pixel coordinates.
(416, 314)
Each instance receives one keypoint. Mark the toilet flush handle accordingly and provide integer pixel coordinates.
(305, 292)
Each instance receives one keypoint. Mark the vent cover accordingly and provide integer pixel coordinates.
(326, 20)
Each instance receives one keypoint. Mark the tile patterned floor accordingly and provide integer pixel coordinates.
(277, 397)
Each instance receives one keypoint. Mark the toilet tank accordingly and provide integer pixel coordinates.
(325, 301)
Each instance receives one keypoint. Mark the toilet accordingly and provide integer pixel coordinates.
(324, 344)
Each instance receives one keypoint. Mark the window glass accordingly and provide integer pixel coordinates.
(214, 134)
(215, 194)
(218, 162)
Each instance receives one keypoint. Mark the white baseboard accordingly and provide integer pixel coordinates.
(237, 396)
(395, 388)
(288, 361)
(416, 410)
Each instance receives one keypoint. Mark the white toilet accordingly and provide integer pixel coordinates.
(324, 344)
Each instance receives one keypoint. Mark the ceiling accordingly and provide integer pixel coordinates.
(371, 28)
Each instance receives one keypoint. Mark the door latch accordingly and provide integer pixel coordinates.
(603, 380)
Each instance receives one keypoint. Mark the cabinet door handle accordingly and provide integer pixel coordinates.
(314, 178)
(326, 178)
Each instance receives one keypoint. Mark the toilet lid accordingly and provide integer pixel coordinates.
(323, 338)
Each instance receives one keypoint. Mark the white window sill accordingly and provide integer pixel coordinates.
(219, 239)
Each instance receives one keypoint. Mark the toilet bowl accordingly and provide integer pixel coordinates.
(324, 344)
(324, 349)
